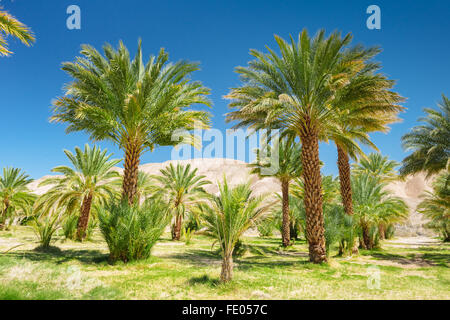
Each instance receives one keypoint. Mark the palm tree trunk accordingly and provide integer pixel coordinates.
(3, 215)
(366, 237)
(227, 268)
(131, 167)
(313, 198)
(286, 234)
(344, 179)
(382, 231)
(83, 221)
(176, 233)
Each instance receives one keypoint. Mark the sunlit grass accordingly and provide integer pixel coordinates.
(72, 270)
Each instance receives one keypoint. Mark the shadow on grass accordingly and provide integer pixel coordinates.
(205, 280)
(425, 260)
(58, 256)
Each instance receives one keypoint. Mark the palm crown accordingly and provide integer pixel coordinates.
(138, 106)
(429, 142)
(182, 188)
(90, 181)
(14, 194)
(9, 25)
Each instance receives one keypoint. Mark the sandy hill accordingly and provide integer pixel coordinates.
(237, 172)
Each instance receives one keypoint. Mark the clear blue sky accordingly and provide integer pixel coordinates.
(414, 37)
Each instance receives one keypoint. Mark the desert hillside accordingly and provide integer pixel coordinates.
(237, 172)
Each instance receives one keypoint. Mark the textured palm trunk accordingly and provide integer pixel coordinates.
(286, 236)
(313, 198)
(176, 233)
(227, 268)
(344, 179)
(130, 174)
(3, 214)
(83, 221)
(382, 231)
(366, 237)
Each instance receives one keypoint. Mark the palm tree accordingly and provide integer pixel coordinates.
(377, 165)
(429, 142)
(14, 194)
(137, 106)
(90, 181)
(232, 212)
(9, 25)
(436, 206)
(294, 92)
(366, 105)
(373, 205)
(182, 188)
(288, 168)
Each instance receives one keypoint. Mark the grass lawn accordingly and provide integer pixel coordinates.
(71, 270)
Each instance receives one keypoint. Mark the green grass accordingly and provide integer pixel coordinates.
(72, 270)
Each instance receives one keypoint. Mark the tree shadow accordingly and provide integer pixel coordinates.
(58, 256)
(425, 260)
(205, 280)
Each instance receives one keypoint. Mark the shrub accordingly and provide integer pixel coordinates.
(91, 229)
(131, 231)
(69, 227)
(45, 227)
(390, 231)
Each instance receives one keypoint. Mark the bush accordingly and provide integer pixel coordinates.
(69, 227)
(92, 225)
(45, 227)
(131, 231)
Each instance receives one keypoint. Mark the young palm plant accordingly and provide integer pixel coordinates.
(137, 106)
(373, 205)
(10, 26)
(294, 92)
(429, 142)
(90, 181)
(182, 188)
(436, 206)
(287, 155)
(232, 212)
(14, 194)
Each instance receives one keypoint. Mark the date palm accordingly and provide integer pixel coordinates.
(366, 105)
(281, 161)
(429, 142)
(10, 26)
(436, 206)
(294, 92)
(232, 212)
(374, 205)
(90, 181)
(14, 194)
(182, 187)
(377, 165)
(138, 106)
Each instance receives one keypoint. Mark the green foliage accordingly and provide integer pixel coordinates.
(390, 231)
(436, 206)
(232, 212)
(92, 226)
(181, 188)
(429, 142)
(69, 227)
(131, 231)
(187, 235)
(10, 26)
(45, 227)
(122, 99)
(91, 174)
(15, 198)
(378, 166)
